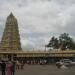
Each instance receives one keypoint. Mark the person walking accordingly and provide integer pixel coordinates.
(12, 68)
(3, 67)
(7, 68)
(17, 65)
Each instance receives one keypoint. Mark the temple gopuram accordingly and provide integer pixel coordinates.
(10, 46)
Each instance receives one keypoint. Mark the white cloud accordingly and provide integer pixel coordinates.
(39, 19)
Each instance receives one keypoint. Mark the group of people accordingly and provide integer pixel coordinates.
(19, 65)
(39, 62)
(7, 67)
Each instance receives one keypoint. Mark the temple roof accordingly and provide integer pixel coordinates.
(11, 15)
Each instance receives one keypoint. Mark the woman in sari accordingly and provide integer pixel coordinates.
(8, 68)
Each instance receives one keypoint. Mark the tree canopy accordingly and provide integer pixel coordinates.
(63, 42)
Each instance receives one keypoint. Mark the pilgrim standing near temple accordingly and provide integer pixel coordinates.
(3, 67)
(12, 68)
(8, 65)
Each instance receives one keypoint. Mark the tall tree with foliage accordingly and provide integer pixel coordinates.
(53, 43)
(63, 42)
(66, 41)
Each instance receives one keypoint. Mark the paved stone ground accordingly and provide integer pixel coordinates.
(45, 70)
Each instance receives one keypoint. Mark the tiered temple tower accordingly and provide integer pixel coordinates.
(11, 38)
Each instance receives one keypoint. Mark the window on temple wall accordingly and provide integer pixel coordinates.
(9, 23)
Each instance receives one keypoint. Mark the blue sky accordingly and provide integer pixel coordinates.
(38, 20)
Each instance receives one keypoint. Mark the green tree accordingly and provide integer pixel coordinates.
(53, 43)
(63, 42)
(66, 41)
